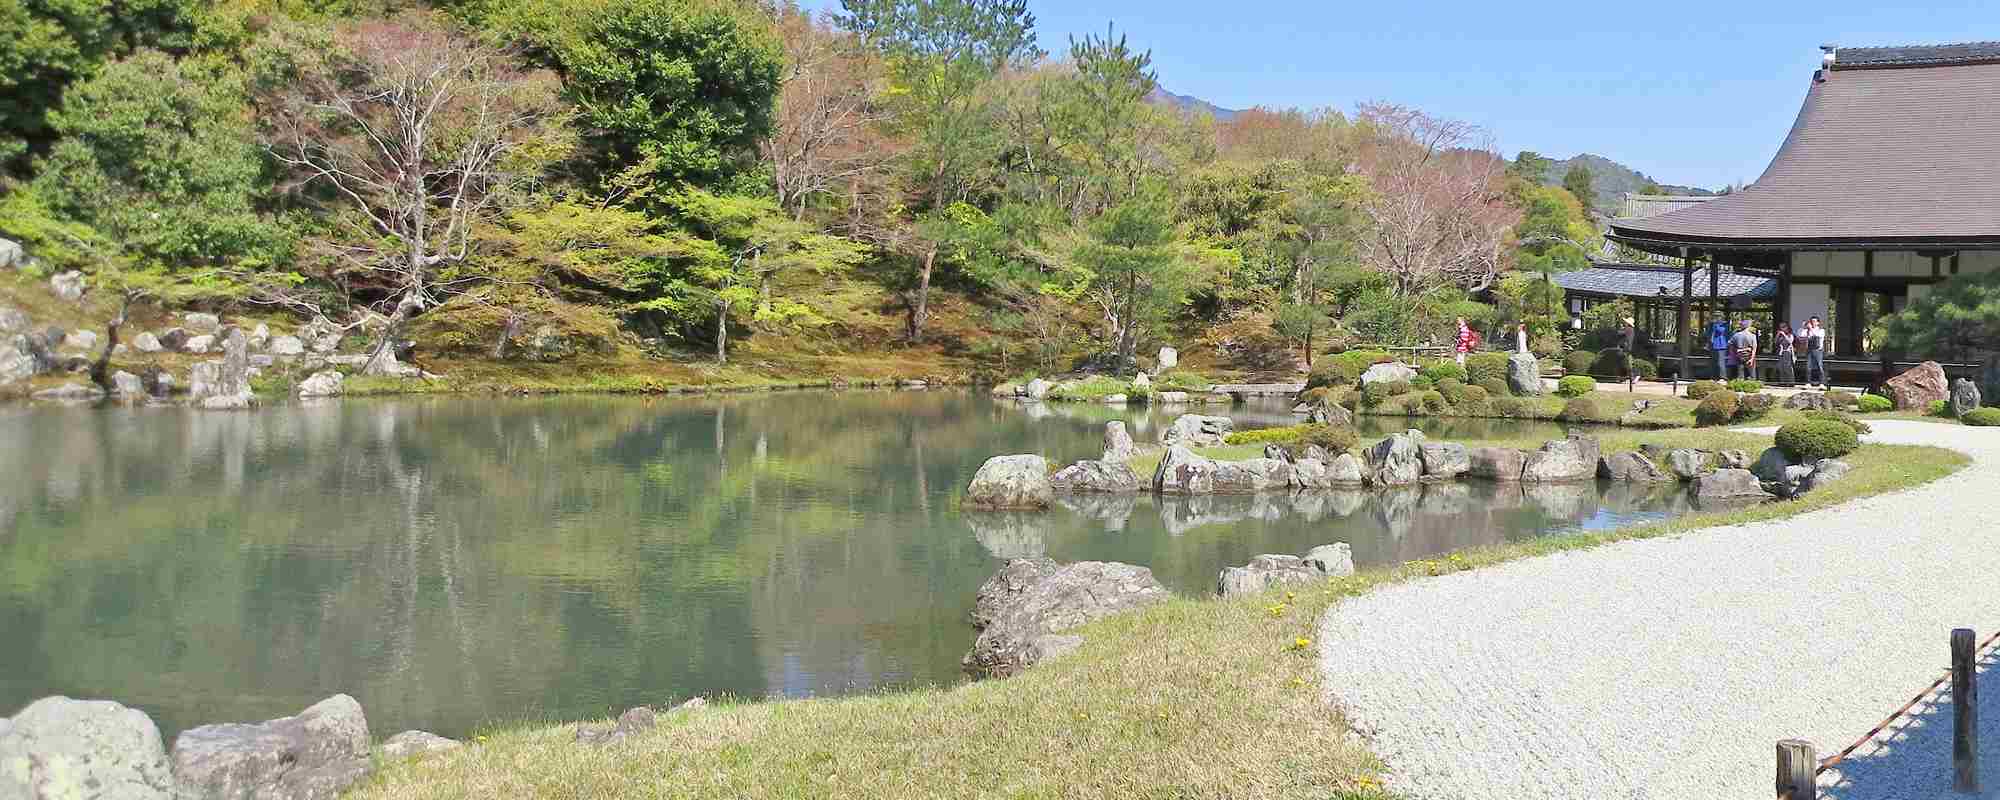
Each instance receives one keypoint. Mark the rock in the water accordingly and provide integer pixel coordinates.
(200, 323)
(1964, 397)
(68, 285)
(1264, 572)
(225, 384)
(1729, 484)
(1495, 463)
(326, 383)
(1562, 461)
(1196, 430)
(1169, 358)
(127, 384)
(1770, 465)
(416, 744)
(1007, 585)
(1004, 482)
(70, 392)
(287, 346)
(1026, 626)
(1397, 460)
(1278, 452)
(1171, 398)
(80, 340)
(1115, 399)
(16, 364)
(1813, 401)
(1445, 460)
(1686, 463)
(1107, 477)
(63, 748)
(634, 721)
(317, 754)
(1392, 371)
(1631, 465)
(1918, 387)
(198, 345)
(1524, 375)
(1039, 389)
(1007, 391)
(146, 342)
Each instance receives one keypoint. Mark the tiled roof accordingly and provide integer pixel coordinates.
(1876, 157)
(1637, 280)
(1641, 206)
(1915, 55)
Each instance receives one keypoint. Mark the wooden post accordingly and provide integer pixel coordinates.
(1965, 712)
(1797, 770)
(1687, 288)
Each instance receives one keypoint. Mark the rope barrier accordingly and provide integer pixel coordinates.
(1828, 763)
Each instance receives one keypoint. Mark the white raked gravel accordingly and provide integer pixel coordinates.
(1669, 668)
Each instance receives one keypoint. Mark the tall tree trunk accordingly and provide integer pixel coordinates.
(721, 331)
(383, 360)
(100, 371)
(920, 304)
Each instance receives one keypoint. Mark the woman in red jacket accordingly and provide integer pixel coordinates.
(1467, 340)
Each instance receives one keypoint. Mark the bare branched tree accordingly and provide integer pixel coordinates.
(415, 135)
(1437, 215)
(828, 127)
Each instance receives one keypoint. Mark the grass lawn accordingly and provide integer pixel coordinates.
(1196, 697)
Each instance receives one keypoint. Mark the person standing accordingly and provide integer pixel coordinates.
(1718, 342)
(1816, 354)
(1784, 350)
(1465, 342)
(1631, 342)
(1521, 337)
(1745, 345)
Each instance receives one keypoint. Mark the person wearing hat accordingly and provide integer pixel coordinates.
(1631, 342)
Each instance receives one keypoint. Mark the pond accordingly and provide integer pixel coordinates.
(458, 562)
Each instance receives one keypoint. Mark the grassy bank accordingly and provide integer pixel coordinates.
(1192, 698)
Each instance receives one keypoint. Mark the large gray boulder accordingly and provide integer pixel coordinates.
(70, 392)
(1183, 472)
(1026, 624)
(1824, 471)
(12, 254)
(417, 744)
(1332, 560)
(1445, 460)
(1168, 359)
(1687, 463)
(1264, 572)
(260, 336)
(317, 754)
(1197, 430)
(1000, 591)
(63, 748)
(146, 342)
(287, 346)
(13, 320)
(1384, 373)
(173, 339)
(16, 364)
(1011, 482)
(1631, 465)
(325, 383)
(1312, 474)
(1105, 477)
(199, 323)
(1809, 401)
(1770, 465)
(1495, 463)
(1039, 389)
(1118, 444)
(128, 385)
(1562, 461)
(68, 285)
(225, 384)
(80, 340)
(1524, 375)
(1397, 460)
(1964, 397)
(1729, 484)
(1326, 412)
(198, 344)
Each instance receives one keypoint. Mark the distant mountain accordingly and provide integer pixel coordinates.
(1610, 180)
(1192, 104)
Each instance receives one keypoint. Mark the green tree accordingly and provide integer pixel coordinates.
(1960, 318)
(1135, 269)
(45, 45)
(161, 156)
(1530, 166)
(1577, 181)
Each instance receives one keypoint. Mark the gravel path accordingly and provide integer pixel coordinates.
(1669, 668)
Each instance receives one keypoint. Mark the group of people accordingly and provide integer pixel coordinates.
(1736, 353)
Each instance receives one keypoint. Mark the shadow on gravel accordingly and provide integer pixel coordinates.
(1912, 758)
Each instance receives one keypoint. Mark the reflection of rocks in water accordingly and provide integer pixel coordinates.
(1010, 534)
(1036, 409)
(1396, 508)
(1630, 496)
(1183, 513)
(1447, 499)
(1334, 503)
(1564, 501)
(1112, 509)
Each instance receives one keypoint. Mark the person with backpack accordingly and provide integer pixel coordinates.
(1718, 342)
(1744, 347)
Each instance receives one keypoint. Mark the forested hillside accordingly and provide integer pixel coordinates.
(635, 182)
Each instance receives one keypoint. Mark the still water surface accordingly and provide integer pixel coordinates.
(461, 561)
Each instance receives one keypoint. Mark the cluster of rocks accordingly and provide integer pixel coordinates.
(1025, 612)
(58, 747)
(1270, 570)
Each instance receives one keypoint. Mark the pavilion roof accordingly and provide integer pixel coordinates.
(1894, 146)
(1653, 280)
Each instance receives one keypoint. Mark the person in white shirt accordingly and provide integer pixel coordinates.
(1815, 336)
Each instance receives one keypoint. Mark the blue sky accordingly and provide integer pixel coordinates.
(1694, 92)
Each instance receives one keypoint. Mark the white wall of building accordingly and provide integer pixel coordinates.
(1809, 300)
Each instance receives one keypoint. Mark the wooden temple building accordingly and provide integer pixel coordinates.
(1888, 183)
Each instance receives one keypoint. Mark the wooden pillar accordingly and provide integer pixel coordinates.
(1965, 712)
(1687, 289)
(1715, 290)
(1797, 770)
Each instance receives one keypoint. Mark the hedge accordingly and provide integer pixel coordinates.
(1718, 408)
(1810, 440)
(1702, 389)
(1984, 417)
(1579, 362)
(1841, 417)
(1746, 386)
(1483, 367)
(1575, 385)
(1874, 404)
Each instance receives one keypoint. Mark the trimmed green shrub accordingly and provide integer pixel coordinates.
(1939, 408)
(1702, 389)
(1810, 440)
(1746, 386)
(1579, 362)
(1645, 368)
(1332, 372)
(1483, 367)
(1841, 399)
(1987, 417)
(1717, 408)
(1454, 391)
(1180, 380)
(1375, 393)
(1422, 384)
(1475, 398)
(1433, 402)
(1512, 407)
(1575, 385)
(1495, 387)
(1841, 417)
(1753, 406)
(1584, 409)
(1443, 369)
(1874, 404)
(1335, 439)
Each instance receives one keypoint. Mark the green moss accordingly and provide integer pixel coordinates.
(1702, 389)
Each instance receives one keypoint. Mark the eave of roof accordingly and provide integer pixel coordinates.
(1919, 55)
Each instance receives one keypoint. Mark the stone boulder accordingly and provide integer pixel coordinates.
(631, 723)
(1809, 401)
(1341, 472)
(326, 383)
(1687, 463)
(225, 384)
(287, 346)
(1327, 412)
(13, 320)
(200, 323)
(1495, 463)
(173, 339)
(146, 342)
(1524, 375)
(1118, 444)
(68, 285)
(417, 744)
(1729, 484)
(1918, 387)
(1264, 572)
(1026, 626)
(80, 340)
(1011, 482)
(1106, 477)
(126, 384)
(1964, 397)
(1141, 382)
(1631, 465)
(1824, 471)
(1171, 398)
(1115, 400)
(1332, 560)
(1392, 371)
(16, 362)
(198, 344)
(1000, 591)
(260, 337)
(1562, 461)
(1445, 460)
(1770, 465)
(1278, 452)
(12, 254)
(1168, 359)
(1182, 472)
(1733, 459)
(1039, 389)
(1197, 430)
(313, 756)
(63, 748)
(1397, 460)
